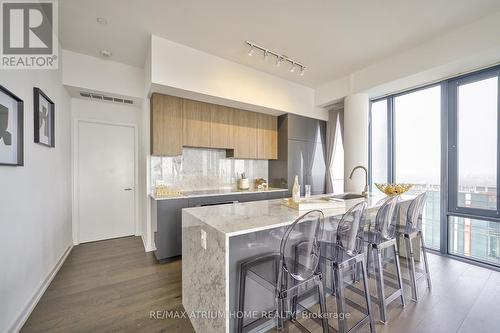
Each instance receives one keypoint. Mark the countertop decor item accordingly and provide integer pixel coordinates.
(261, 184)
(296, 190)
(163, 191)
(393, 189)
(243, 183)
(11, 128)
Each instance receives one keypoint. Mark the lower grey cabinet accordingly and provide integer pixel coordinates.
(168, 228)
(276, 195)
(168, 217)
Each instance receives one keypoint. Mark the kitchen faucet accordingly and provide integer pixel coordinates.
(365, 191)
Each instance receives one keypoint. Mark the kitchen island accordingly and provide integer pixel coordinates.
(215, 239)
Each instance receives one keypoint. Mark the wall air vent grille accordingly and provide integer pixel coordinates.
(105, 98)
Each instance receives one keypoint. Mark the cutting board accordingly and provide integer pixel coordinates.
(310, 204)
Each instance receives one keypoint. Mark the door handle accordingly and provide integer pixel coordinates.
(128, 189)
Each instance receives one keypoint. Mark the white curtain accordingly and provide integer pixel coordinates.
(335, 116)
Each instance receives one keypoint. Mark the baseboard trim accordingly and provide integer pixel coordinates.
(147, 248)
(23, 317)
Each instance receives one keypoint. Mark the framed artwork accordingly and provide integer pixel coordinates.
(44, 119)
(11, 128)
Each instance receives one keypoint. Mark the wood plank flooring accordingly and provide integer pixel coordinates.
(113, 285)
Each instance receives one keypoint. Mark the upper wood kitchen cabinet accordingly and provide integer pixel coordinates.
(222, 130)
(267, 137)
(245, 134)
(196, 126)
(166, 122)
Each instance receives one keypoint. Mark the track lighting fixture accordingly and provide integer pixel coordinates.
(279, 58)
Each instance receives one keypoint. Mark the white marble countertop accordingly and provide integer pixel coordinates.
(217, 192)
(242, 218)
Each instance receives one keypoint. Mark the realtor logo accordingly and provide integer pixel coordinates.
(29, 39)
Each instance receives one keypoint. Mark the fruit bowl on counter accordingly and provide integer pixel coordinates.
(393, 189)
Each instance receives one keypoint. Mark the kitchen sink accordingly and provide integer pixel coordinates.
(345, 196)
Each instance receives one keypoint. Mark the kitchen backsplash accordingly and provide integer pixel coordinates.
(204, 169)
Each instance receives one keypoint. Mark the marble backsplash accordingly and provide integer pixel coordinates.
(204, 169)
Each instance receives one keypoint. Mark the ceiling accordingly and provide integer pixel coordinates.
(332, 38)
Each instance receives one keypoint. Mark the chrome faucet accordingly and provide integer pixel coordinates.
(365, 191)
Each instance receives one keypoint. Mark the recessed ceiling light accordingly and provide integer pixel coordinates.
(105, 53)
(101, 20)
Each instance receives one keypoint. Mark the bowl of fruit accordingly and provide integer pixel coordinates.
(393, 189)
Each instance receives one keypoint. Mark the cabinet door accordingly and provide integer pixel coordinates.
(267, 137)
(222, 131)
(245, 136)
(196, 124)
(166, 125)
(169, 228)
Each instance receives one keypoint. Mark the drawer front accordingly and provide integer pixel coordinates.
(194, 202)
(276, 195)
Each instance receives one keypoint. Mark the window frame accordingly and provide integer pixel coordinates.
(453, 84)
(448, 160)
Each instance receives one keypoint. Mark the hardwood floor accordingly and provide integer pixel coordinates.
(110, 286)
(113, 285)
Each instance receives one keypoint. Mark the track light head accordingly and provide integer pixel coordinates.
(302, 71)
(266, 55)
(250, 52)
(292, 69)
(279, 61)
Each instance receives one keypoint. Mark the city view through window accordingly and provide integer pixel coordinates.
(416, 158)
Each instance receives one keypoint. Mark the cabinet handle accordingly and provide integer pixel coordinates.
(128, 189)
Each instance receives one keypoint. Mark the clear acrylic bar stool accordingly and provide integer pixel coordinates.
(382, 237)
(410, 231)
(343, 251)
(289, 272)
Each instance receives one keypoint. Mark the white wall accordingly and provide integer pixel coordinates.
(35, 201)
(180, 70)
(355, 140)
(461, 50)
(116, 113)
(102, 75)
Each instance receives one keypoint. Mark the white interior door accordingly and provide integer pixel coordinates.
(106, 178)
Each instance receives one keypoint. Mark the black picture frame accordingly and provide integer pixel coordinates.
(19, 135)
(49, 119)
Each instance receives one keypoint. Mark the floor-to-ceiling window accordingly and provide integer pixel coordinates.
(379, 142)
(406, 146)
(417, 152)
(473, 166)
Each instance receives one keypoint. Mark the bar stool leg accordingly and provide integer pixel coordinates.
(367, 298)
(339, 295)
(322, 306)
(368, 258)
(426, 263)
(411, 267)
(279, 307)
(379, 275)
(398, 271)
